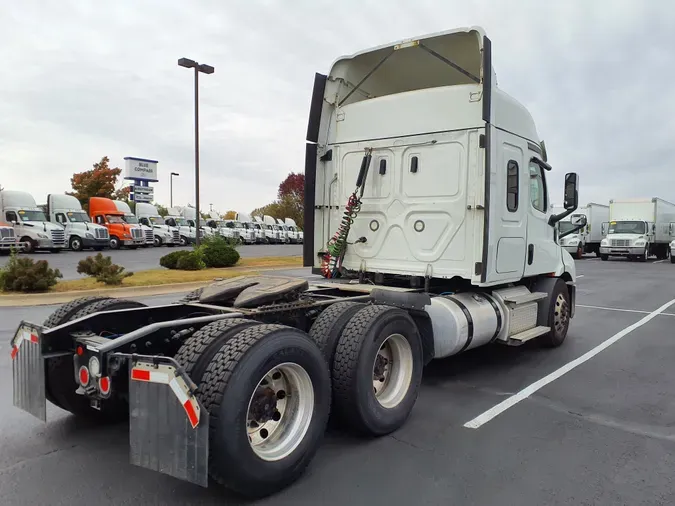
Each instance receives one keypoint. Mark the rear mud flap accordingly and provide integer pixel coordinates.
(28, 371)
(169, 429)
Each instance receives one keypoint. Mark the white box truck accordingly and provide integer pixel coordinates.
(638, 228)
(445, 246)
(131, 219)
(249, 224)
(588, 239)
(30, 223)
(81, 233)
(148, 215)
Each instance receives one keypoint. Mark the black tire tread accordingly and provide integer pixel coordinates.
(345, 362)
(218, 374)
(66, 311)
(193, 348)
(325, 324)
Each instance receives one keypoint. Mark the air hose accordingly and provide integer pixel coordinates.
(337, 246)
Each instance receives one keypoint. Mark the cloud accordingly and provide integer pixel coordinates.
(82, 80)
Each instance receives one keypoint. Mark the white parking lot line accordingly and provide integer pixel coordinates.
(658, 261)
(498, 409)
(580, 276)
(622, 310)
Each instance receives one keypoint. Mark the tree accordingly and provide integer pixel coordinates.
(97, 182)
(230, 215)
(163, 211)
(293, 185)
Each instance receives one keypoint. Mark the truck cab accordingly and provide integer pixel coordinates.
(294, 229)
(219, 227)
(131, 219)
(81, 233)
(104, 212)
(190, 214)
(272, 231)
(290, 235)
(574, 239)
(187, 231)
(246, 235)
(7, 238)
(148, 215)
(30, 223)
(254, 227)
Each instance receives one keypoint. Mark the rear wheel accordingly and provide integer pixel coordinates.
(267, 391)
(328, 327)
(377, 370)
(60, 376)
(554, 311)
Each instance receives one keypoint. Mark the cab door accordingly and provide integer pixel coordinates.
(542, 254)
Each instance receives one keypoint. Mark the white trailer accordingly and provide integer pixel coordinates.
(131, 219)
(587, 239)
(444, 239)
(638, 228)
(148, 215)
(81, 233)
(30, 223)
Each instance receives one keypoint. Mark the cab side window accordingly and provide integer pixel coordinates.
(10, 217)
(61, 218)
(512, 186)
(538, 188)
(100, 220)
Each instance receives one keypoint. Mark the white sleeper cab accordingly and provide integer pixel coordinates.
(428, 211)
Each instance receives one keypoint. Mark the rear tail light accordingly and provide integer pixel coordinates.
(104, 386)
(83, 376)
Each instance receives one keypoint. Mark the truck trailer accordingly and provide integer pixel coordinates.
(587, 239)
(638, 229)
(437, 239)
(81, 233)
(30, 223)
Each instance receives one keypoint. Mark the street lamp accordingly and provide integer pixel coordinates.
(171, 187)
(205, 69)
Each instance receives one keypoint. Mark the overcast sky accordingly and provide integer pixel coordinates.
(84, 79)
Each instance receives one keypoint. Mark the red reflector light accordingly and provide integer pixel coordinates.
(140, 375)
(104, 385)
(80, 351)
(84, 376)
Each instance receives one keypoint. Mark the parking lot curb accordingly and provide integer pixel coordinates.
(45, 299)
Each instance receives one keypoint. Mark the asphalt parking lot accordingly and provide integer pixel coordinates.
(148, 258)
(591, 422)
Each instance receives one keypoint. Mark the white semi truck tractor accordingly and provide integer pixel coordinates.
(81, 233)
(255, 230)
(426, 205)
(293, 228)
(638, 228)
(164, 235)
(131, 219)
(31, 226)
(588, 238)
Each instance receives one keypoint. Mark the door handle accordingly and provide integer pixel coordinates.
(530, 254)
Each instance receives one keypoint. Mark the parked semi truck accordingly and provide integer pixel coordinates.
(638, 229)
(256, 231)
(187, 232)
(81, 233)
(30, 223)
(442, 216)
(276, 234)
(290, 236)
(148, 215)
(190, 215)
(8, 240)
(103, 211)
(587, 239)
(245, 235)
(131, 219)
(293, 227)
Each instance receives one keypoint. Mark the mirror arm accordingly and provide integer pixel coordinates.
(575, 229)
(555, 218)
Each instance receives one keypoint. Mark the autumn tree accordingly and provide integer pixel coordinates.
(230, 215)
(290, 201)
(161, 210)
(98, 182)
(292, 186)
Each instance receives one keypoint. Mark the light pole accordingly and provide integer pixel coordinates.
(206, 69)
(171, 187)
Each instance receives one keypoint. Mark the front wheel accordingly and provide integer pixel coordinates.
(183, 240)
(76, 244)
(604, 258)
(28, 245)
(580, 252)
(114, 242)
(157, 241)
(267, 390)
(645, 256)
(672, 259)
(554, 311)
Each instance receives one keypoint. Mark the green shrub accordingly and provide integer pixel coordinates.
(27, 275)
(190, 262)
(170, 261)
(220, 255)
(103, 270)
(218, 240)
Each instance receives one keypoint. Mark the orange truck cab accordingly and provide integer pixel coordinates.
(104, 212)
(7, 237)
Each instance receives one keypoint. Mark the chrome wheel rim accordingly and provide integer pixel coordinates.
(392, 371)
(560, 314)
(280, 411)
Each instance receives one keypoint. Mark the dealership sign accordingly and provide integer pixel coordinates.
(140, 169)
